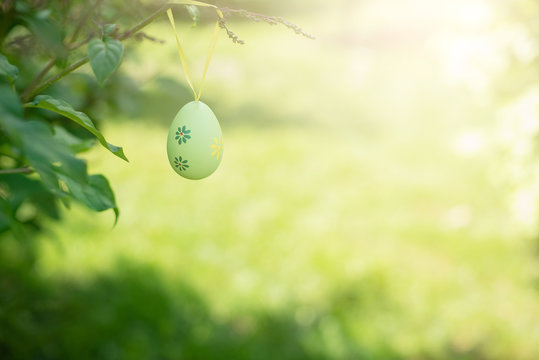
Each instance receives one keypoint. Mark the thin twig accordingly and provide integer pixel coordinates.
(77, 45)
(83, 21)
(272, 20)
(230, 33)
(24, 170)
(19, 40)
(144, 23)
(58, 76)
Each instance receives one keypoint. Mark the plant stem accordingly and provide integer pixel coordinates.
(77, 45)
(24, 170)
(25, 94)
(144, 22)
(82, 21)
(58, 76)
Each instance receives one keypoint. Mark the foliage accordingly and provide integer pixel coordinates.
(39, 163)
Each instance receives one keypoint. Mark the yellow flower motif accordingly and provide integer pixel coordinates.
(217, 147)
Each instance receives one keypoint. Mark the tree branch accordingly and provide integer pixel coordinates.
(135, 29)
(58, 76)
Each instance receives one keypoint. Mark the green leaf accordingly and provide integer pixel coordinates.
(53, 161)
(194, 13)
(109, 29)
(6, 215)
(46, 156)
(96, 194)
(10, 104)
(63, 108)
(74, 143)
(22, 188)
(8, 70)
(105, 57)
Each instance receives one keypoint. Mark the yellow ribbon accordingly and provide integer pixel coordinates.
(180, 50)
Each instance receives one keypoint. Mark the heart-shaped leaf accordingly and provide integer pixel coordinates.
(105, 57)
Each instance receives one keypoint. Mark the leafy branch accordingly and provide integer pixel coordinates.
(29, 92)
(36, 86)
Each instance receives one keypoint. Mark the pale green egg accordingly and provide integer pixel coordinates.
(195, 141)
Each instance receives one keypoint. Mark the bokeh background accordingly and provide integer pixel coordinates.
(377, 198)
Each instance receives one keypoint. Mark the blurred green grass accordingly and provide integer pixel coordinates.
(342, 223)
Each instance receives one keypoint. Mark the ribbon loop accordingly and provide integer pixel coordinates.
(210, 52)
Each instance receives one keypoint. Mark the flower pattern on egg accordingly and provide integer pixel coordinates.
(217, 147)
(182, 134)
(180, 163)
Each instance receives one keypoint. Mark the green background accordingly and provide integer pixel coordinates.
(376, 200)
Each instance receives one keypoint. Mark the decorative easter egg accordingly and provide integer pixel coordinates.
(195, 142)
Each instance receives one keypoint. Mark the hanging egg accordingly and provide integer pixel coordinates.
(195, 142)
